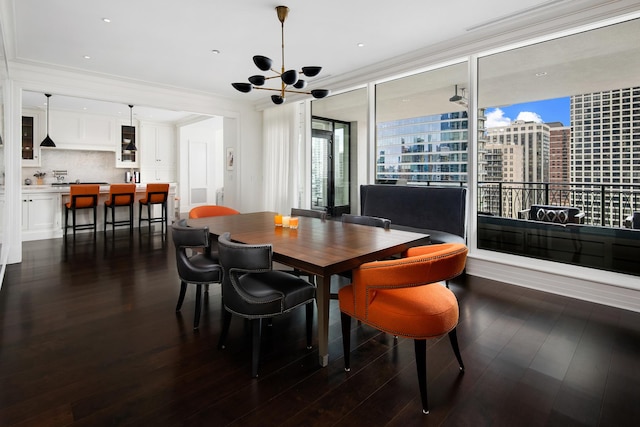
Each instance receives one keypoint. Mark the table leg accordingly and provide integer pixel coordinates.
(322, 300)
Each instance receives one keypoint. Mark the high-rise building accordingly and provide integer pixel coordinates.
(423, 149)
(605, 149)
(521, 150)
(559, 159)
(534, 138)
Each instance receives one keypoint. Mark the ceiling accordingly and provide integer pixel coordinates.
(170, 43)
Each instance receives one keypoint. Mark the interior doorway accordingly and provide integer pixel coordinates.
(202, 163)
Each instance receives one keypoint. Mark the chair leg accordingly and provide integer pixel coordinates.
(104, 230)
(196, 318)
(74, 223)
(183, 291)
(309, 309)
(226, 322)
(149, 215)
(66, 220)
(453, 337)
(256, 333)
(421, 365)
(345, 321)
(131, 218)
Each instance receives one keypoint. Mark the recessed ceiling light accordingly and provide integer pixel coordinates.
(541, 74)
(360, 44)
(86, 57)
(107, 20)
(215, 51)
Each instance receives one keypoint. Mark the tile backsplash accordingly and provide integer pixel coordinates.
(87, 166)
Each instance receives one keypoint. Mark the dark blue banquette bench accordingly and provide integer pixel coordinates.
(437, 211)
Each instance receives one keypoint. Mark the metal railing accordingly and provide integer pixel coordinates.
(603, 204)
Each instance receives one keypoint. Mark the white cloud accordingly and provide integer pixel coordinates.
(496, 118)
(529, 116)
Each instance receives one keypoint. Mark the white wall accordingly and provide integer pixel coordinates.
(208, 133)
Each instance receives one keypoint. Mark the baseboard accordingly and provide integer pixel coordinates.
(602, 287)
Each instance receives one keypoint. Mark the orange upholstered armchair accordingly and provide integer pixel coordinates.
(404, 297)
(211, 210)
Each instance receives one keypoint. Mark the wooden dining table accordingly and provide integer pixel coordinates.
(318, 247)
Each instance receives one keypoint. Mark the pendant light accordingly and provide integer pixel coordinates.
(287, 77)
(47, 141)
(132, 144)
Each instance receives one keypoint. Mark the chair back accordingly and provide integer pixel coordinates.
(156, 193)
(211, 210)
(422, 265)
(372, 221)
(83, 196)
(188, 237)
(235, 259)
(309, 213)
(121, 194)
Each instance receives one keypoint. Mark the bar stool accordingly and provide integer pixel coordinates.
(157, 194)
(81, 196)
(119, 195)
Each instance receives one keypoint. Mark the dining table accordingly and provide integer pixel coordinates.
(318, 247)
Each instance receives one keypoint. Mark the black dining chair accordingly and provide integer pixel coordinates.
(251, 289)
(372, 221)
(196, 263)
(311, 213)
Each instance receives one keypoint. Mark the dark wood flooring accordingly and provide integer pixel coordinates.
(89, 337)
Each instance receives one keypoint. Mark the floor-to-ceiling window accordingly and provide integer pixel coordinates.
(562, 137)
(422, 127)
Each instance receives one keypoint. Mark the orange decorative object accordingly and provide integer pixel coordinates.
(211, 210)
(277, 219)
(404, 297)
(293, 222)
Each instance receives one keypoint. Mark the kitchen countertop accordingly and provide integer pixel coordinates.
(64, 189)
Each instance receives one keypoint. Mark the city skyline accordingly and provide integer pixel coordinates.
(545, 111)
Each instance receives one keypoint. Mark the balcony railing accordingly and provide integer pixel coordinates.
(603, 204)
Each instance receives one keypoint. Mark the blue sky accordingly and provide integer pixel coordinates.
(550, 110)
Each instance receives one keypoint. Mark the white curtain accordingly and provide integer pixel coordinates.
(281, 164)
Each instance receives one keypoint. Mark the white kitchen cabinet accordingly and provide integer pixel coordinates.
(75, 131)
(31, 138)
(41, 217)
(157, 150)
(128, 159)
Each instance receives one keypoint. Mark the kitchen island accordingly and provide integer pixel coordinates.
(43, 209)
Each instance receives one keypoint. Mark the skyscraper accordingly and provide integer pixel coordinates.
(423, 149)
(605, 149)
(559, 159)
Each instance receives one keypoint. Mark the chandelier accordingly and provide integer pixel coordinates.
(287, 77)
